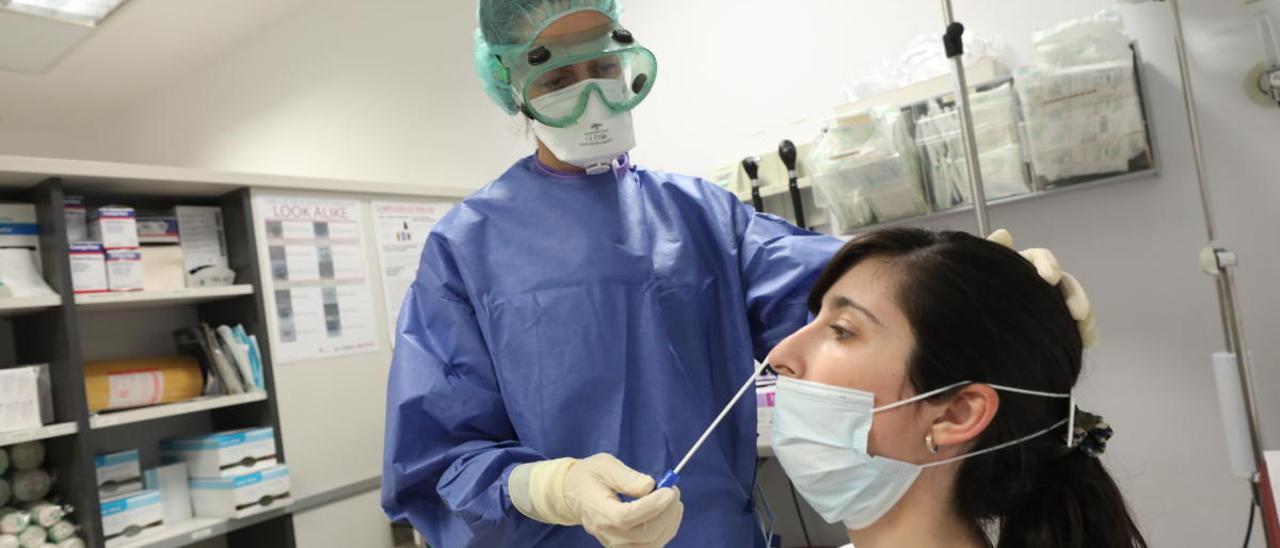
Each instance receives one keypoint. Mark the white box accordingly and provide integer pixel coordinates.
(225, 454)
(241, 496)
(18, 227)
(26, 397)
(77, 218)
(118, 473)
(171, 481)
(114, 227)
(201, 235)
(88, 268)
(124, 270)
(162, 267)
(157, 229)
(126, 517)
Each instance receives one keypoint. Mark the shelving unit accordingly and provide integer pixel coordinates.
(35, 434)
(118, 418)
(44, 330)
(11, 307)
(146, 299)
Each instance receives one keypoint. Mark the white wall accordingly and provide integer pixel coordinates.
(384, 90)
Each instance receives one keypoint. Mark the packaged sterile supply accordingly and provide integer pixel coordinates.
(27, 456)
(13, 520)
(124, 270)
(240, 496)
(32, 537)
(31, 485)
(20, 273)
(26, 401)
(201, 235)
(171, 480)
(865, 170)
(162, 267)
(77, 218)
(157, 229)
(18, 227)
(46, 514)
(131, 515)
(118, 473)
(1080, 99)
(88, 268)
(998, 137)
(226, 454)
(9, 541)
(114, 227)
(62, 530)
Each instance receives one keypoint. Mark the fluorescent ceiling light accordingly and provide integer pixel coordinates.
(85, 12)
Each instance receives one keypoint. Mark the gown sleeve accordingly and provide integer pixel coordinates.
(449, 446)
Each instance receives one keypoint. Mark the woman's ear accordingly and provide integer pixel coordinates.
(965, 416)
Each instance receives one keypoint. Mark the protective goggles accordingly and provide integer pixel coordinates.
(608, 64)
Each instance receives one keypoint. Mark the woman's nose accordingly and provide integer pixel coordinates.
(788, 357)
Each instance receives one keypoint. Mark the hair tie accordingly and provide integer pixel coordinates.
(1090, 434)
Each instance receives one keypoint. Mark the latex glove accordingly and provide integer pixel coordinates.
(1047, 265)
(585, 492)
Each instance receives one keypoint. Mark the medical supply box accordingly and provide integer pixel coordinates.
(131, 515)
(244, 495)
(226, 454)
(114, 227)
(26, 398)
(118, 473)
(88, 268)
(172, 482)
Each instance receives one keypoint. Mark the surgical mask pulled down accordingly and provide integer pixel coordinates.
(599, 136)
(820, 436)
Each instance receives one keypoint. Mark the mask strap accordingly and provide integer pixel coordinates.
(920, 397)
(1071, 406)
(995, 448)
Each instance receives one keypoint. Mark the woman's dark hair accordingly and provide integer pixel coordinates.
(980, 312)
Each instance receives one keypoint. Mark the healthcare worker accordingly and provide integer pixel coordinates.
(579, 321)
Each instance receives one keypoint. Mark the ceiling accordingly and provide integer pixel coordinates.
(144, 45)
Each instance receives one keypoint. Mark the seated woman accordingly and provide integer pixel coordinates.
(966, 359)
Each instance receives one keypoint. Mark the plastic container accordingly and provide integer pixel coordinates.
(865, 170)
(1000, 149)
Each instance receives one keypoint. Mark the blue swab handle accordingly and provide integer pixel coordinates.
(669, 479)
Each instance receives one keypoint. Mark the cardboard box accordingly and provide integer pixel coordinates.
(241, 496)
(26, 397)
(133, 515)
(226, 454)
(114, 227)
(118, 473)
(124, 270)
(162, 267)
(157, 229)
(88, 268)
(171, 481)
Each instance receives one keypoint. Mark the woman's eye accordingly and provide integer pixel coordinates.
(840, 332)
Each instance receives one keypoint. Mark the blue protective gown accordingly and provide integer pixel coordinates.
(559, 315)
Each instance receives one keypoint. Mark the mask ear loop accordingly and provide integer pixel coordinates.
(1071, 421)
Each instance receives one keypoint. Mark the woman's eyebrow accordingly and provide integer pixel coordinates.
(840, 301)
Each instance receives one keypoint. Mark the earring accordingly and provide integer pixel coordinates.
(928, 442)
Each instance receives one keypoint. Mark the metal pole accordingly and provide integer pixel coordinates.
(1222, 268)
(955, 51)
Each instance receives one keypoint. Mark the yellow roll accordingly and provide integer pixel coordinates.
(121, 384)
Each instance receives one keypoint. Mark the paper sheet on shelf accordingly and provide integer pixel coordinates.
(402, 229)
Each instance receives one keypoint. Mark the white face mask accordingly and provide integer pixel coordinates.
(598, 138)
(820, 435)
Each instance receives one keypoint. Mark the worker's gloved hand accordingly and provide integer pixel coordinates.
(585, 492)
(1047, 265)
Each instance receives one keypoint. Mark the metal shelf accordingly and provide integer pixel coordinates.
(147, 299)
(43, 433)
(17, 306)
(109, 419)
(195, 530)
